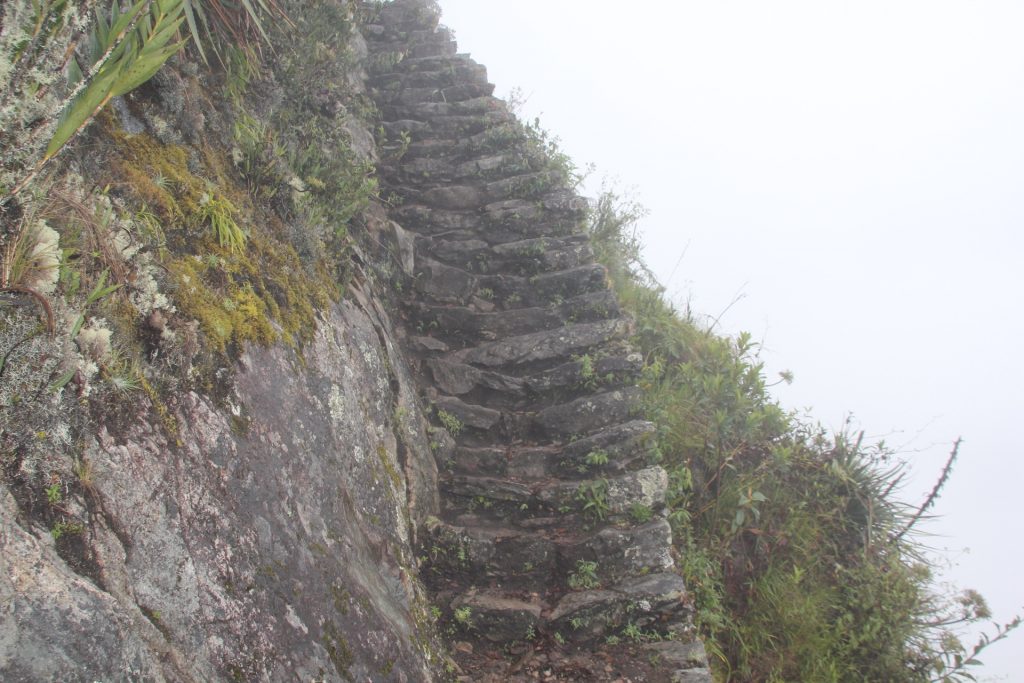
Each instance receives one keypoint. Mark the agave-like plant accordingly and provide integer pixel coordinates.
(237, 23)
(39, 41)
(125, 50)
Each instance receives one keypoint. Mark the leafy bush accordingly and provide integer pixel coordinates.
(803, 560)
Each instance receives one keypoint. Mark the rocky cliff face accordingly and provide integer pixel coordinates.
(273, 543)
(459, 462)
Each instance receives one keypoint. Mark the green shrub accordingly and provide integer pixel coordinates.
(804, 564)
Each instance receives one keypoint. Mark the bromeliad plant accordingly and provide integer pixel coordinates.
(39, 115)
(40, 41)
(234, 23)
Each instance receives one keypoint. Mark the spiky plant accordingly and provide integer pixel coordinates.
(220, 22)
(40, 44)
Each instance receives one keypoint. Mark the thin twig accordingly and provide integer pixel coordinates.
(936, 490)
(43, 302)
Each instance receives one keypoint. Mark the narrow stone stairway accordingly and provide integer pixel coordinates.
(552, 559)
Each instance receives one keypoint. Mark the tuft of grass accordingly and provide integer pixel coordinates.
(584, 577)
(592, 498)
(464, 616)
(220, 213)
(452, 423)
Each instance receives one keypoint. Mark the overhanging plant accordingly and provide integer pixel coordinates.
(124, 49)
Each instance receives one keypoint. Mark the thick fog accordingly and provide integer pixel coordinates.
(843, 180)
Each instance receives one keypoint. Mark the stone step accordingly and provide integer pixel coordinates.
(434, 149)
(424, 111)
(523, 257)
(451, 128)
(497, 139)
(527, 351)
(406, 32)
(616, 553)
(410, 42)
(535, 392)
(465, 325)
(407, 15)
(452, 93)
(544, 289)
(435, 63)
(499, 166)
(489, 553)
(527, 186)
(556, 214)
(607, 498)
(445, 284)
(440, 48)
(482, 387)
(687, 659)
(421, 172)
(611, 451)
(648, 603)
(471, 416)
(471, 197)
(517, 462)
(413, 176)
(508, 556)
(457, 72)
(589, 414)
(585, 373)
(594, 500)
(493, 489)
(496, 616)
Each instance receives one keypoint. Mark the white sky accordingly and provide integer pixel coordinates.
(854, 170)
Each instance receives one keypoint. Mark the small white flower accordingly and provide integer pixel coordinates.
(94, 339)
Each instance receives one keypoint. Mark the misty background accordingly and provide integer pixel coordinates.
(842, 180)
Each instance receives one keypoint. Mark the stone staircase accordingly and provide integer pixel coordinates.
(552, 558)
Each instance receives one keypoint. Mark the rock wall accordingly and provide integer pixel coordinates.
(272, 544)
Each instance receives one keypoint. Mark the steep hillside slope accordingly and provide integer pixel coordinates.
(259, 424)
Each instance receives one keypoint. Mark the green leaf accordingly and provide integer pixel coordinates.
(85, 106)
(62, 381)
(255, 18)
(101, 290)
(74, 74)
(77, 327)
(142, 69)
(191, 11)
(120, 23)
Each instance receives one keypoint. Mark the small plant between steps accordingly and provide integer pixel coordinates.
(584, 577)
(451, 422)
(592, 498)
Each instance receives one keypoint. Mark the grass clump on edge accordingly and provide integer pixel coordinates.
(804, 563)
